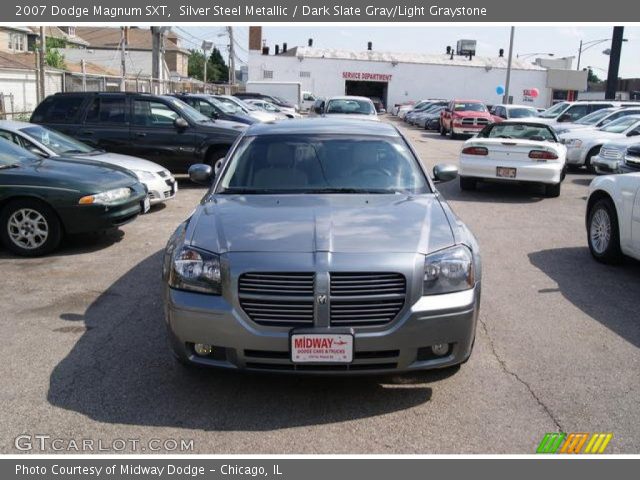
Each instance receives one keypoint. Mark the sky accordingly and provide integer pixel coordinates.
(562, 41)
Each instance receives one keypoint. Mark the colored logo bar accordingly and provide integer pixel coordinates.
(560, 442)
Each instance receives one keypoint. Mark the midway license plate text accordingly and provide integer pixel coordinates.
(321, 348)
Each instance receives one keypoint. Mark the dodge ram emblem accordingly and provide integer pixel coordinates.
(321, 299)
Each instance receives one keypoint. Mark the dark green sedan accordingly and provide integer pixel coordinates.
(41, 200)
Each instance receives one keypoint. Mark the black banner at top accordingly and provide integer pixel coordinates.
(295, 11)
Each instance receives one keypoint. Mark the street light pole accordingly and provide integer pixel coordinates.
(614, 63)
(505, 99)
(579, 55)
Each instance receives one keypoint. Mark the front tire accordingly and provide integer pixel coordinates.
(443, 132)
(603, 233)
(587, 163)
(30, 228)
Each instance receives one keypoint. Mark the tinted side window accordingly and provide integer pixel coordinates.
(205, 108)
(576, 112)
(153, 114)
(597, 107)
(58, 109)
(107, 110)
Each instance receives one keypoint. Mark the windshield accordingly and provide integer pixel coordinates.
(522, 112)
(350, 106)
(269, 107)
(323, 164)
(554, 111)
(188, 111)
(621, 124)
(59, 143)
(595, 117)
(12, 155)
(525, 131)
(237, 103)
(469, 107)
(225, 107)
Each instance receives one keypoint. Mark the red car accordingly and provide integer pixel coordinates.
(464, 117)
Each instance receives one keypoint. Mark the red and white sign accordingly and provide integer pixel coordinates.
(368, 76)
(321, 348)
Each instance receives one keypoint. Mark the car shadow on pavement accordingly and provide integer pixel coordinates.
(120, 371)
(492, 192)
(578, 275)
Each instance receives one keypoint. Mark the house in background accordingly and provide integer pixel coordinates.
(16, 39)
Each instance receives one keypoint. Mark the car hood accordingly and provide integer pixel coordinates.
(310, 223)
(588, 135)
(262, 116)
(235, 127)
(472, 114)
(622, 143)
(74, 174)
(124, 161)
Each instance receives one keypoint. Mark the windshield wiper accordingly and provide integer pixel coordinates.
(11, 165)
(347, 190)
(248, 190)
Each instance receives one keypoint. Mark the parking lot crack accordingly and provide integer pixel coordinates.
(508, 371)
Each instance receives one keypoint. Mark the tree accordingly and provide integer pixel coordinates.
(217, 70)
(54, 59)
(592, 77)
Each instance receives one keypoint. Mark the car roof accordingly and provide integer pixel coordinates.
(15, 126)
(323, 125)
(528, 121)
(466, 100)
(350, 97)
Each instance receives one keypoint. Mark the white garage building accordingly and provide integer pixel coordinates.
(403, 77)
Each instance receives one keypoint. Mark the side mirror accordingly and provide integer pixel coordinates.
(633, 133)
(180, 123)
(444, 172)
(318, 110)
(564, 118)
(37, 151)
(201, 173)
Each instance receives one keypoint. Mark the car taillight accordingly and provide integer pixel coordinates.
(542, 155)
(475, 151)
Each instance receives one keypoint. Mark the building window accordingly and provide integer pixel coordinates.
(17, 42)
(267, 74)
(71, 31)
(305, 74)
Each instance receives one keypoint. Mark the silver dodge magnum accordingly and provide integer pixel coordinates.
(322, 246)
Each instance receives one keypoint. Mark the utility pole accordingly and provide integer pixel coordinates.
(579, 56)
(232, 58)
(505, 99)
(83, 66)
(157, 58)
(206, 46)
(124, 34)
(38, 95)
(614, 63)
(43, 60)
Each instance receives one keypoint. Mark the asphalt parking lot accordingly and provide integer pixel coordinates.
(558, 346)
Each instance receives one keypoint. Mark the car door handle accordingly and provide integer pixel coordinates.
(141, 134)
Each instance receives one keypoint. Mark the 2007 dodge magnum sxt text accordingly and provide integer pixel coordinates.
(322, 246)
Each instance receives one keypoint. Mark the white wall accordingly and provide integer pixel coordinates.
(409, 82)
(22, 84)
(138, 63)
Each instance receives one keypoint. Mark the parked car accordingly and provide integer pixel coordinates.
(430, 118)
(283, 105)
(573, 111)
(584, 145)
(613, 217)
(597, 119)
(309, 260)
(160, 184)
(464, 117)
(349, 107)
(271, 108)
(213, 108)
(318, 107)
(618, 156)
(404, 109)
(379, 104)
(308, 99)
(251, 110)
(160, 128)
(503, 112)
(514, 151)
(411, 117)
(41, 199)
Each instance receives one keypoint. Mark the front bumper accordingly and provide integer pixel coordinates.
(161, 189)
(466, 129)
(94, 218)
(537, 172)
(576, 156)
(401, 346)
(605, 166)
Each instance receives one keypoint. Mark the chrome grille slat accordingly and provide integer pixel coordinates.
(366, 299)
(278, 299)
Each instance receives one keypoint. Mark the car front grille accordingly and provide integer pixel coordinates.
(475, 121)
(357, 299)
(366, 299)
(162, 173)
(610, 153)
(278, 299)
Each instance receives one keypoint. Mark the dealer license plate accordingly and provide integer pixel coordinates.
(146, 205)
(506, 172)
(321, 348)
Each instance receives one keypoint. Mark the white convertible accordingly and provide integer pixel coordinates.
(613, 217)
(514, 151)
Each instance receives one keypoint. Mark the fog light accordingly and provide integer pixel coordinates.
(203, 349)
(440, 349)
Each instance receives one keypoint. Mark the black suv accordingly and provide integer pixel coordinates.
(210, 107)
(159, 128)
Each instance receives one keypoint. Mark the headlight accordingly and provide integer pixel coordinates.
(449, 270)
(105, 198)
(560, 131)
(574, 143)
(196, 271)
(144, 175)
